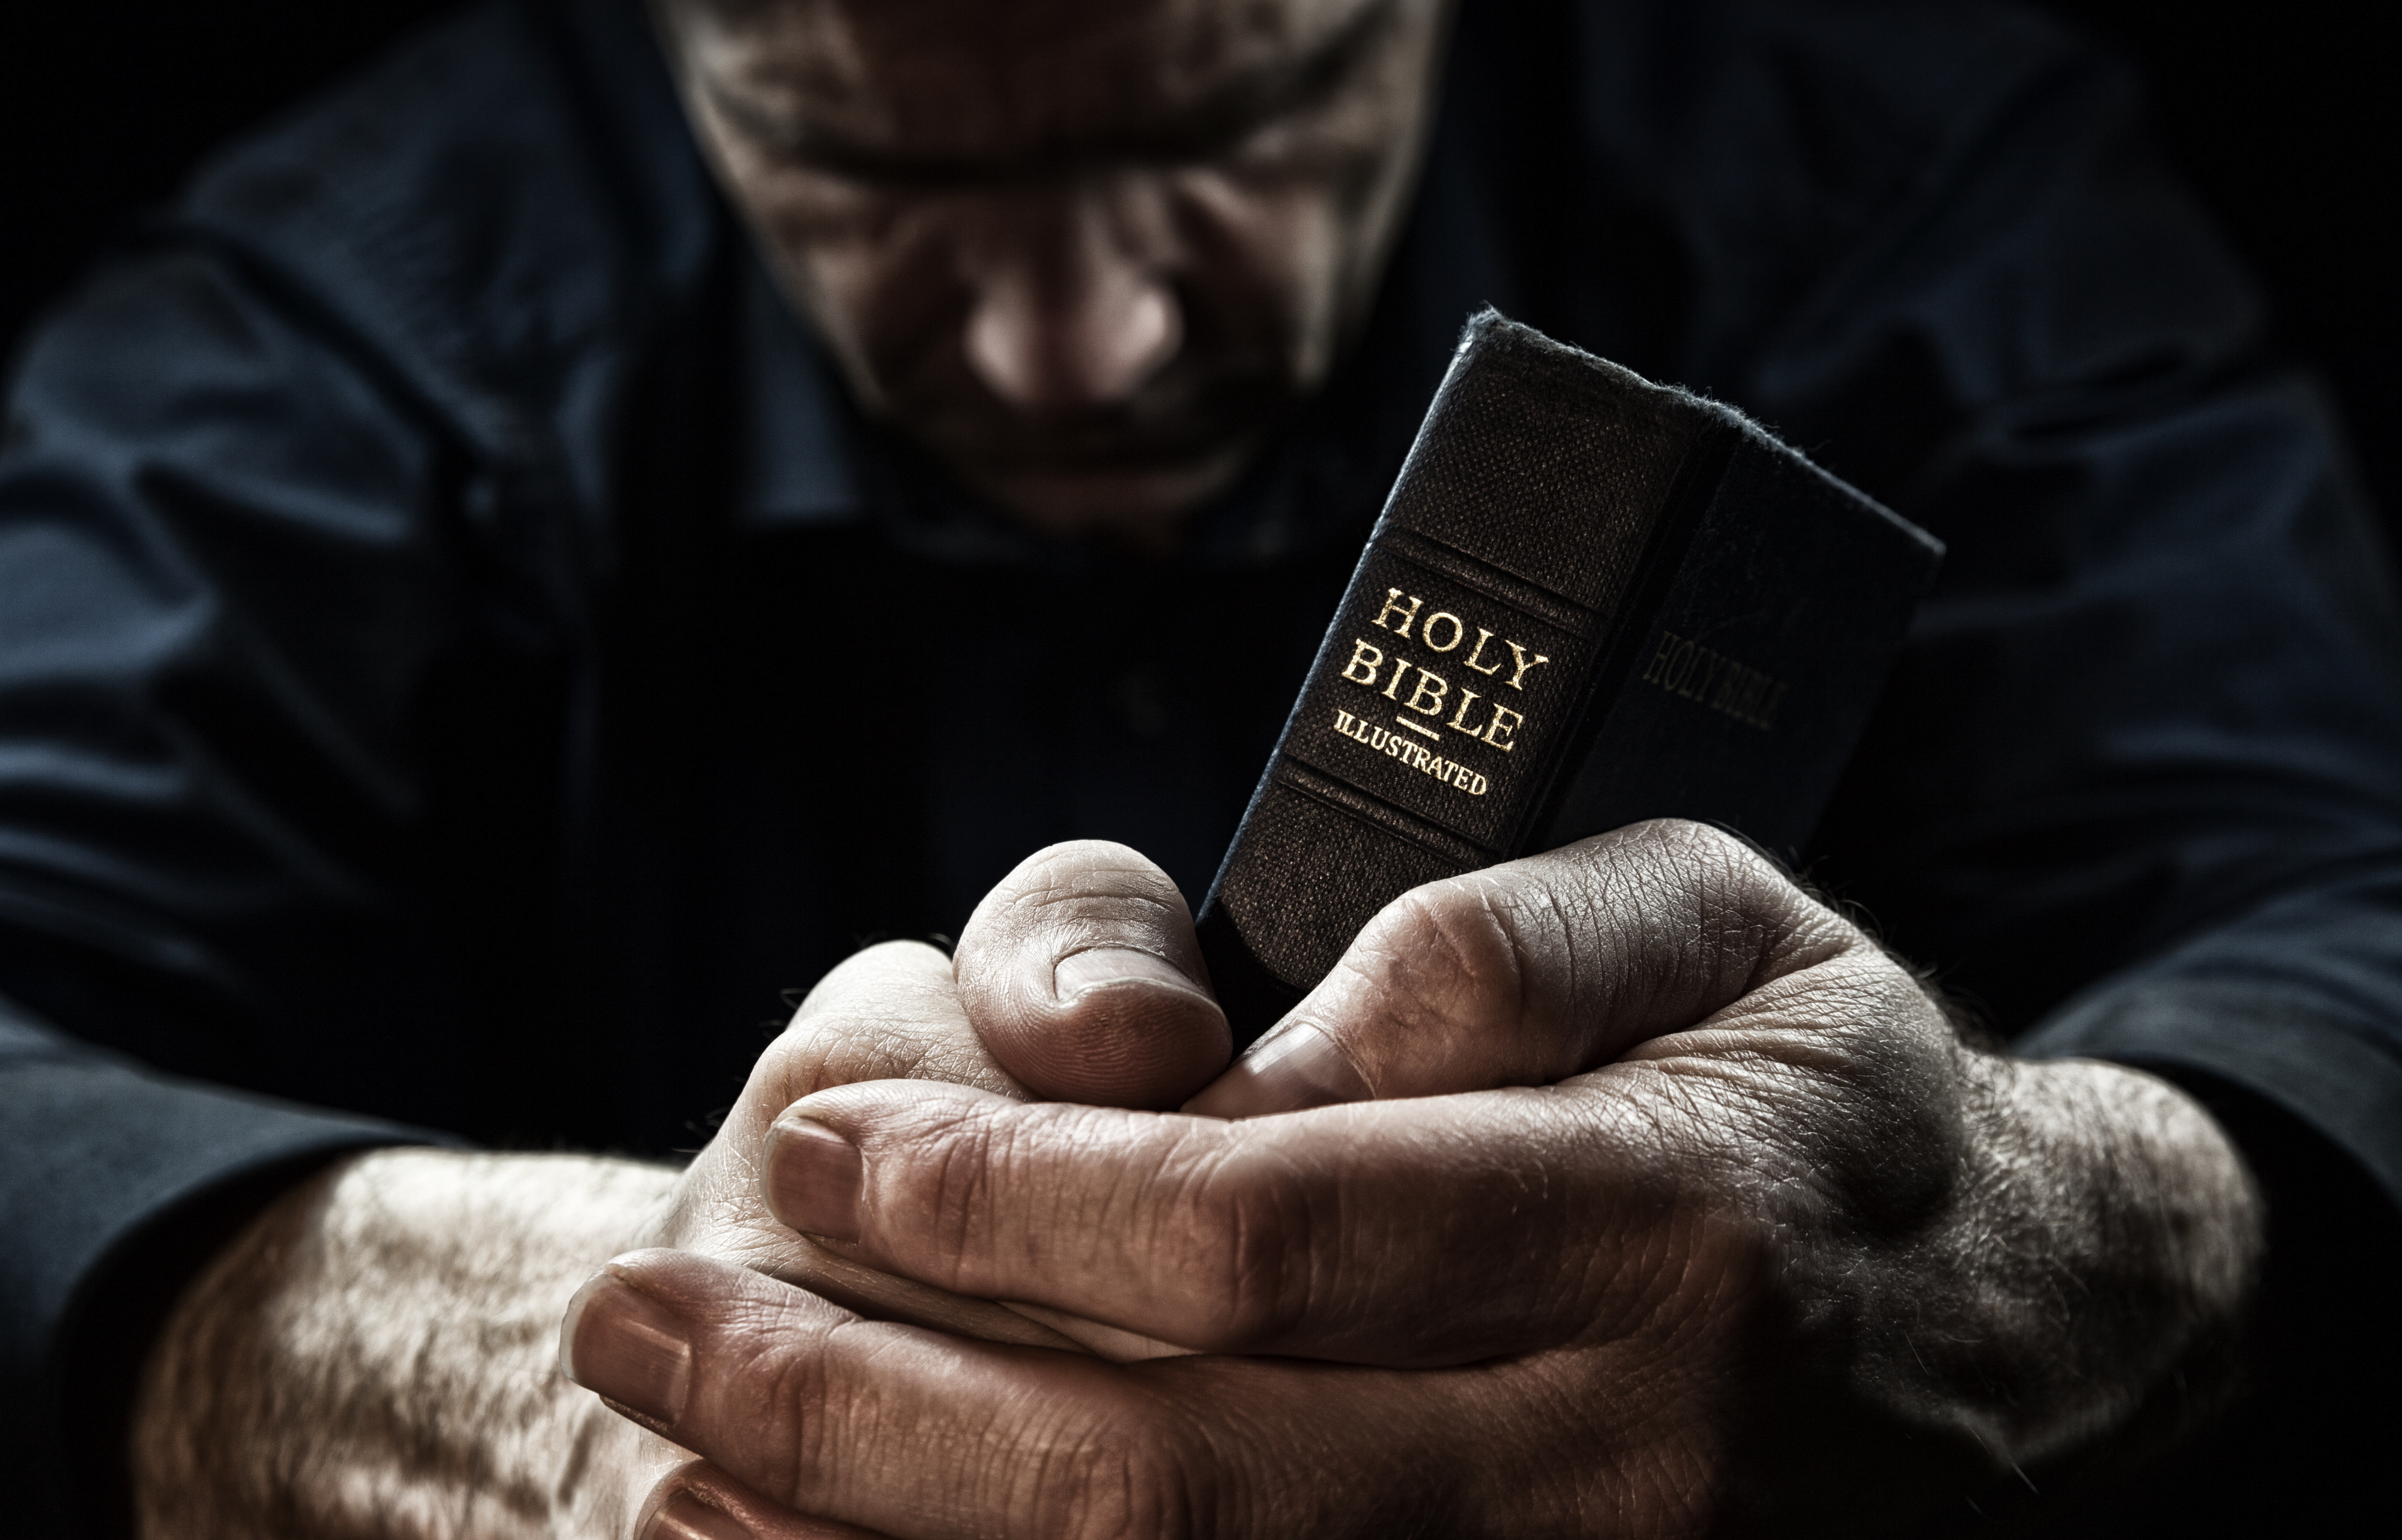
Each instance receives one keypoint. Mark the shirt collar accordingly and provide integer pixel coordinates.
(798, 462)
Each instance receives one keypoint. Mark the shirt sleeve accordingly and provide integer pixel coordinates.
(2136, 789)
(115, 1185)
(222, 584)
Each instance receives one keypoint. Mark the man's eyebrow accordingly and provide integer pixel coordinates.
(1210, 126)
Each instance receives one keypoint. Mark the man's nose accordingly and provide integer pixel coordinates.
(1072, 311)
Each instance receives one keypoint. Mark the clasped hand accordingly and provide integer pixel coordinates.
(1624, 1188)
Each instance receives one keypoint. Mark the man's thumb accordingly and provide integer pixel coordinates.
(1081, 973)
(1534, 971)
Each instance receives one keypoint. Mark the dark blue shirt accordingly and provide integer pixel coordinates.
(461, 656)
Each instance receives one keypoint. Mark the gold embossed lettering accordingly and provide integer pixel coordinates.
(1483, 635)
(1393, 597)
(1681, 666)
(1496, 732)
(1400, 667)
(1658, 671)
(1524, 663)
(1684, 667)
(1427, 699)
(1708, 668)
(1367, 660)
(1459, 718)
(1416, 756)
(1426, 632)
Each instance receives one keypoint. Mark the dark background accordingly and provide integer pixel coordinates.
(2286, 119)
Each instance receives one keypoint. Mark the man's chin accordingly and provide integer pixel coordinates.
(1142, 507)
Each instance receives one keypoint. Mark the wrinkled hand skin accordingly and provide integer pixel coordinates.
(1625, 1189)
(891, 1013)
(1123, 1023)
(1078, 968)
(376, 1353)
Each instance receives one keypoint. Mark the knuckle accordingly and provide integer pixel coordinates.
(1720, 869)
(1684, 839)
(1434, 944)
(1432, 912)
(1140, 1473)
(774, 1405)
(1746, 919)
(844, 1047)
(891, 1013)
(1250, 1239)
(867, 972)
(956, 1152)
(809, 1057)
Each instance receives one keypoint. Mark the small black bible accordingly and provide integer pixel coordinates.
(1590, 599)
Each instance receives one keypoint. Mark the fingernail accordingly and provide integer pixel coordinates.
(685, 1517)
(620, 1343)
(1299, 1067)
(814, 1177)
(1078, 972)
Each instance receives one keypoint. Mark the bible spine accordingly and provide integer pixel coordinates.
(1590, 599)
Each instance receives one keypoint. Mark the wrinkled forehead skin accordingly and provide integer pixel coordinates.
(996, 80)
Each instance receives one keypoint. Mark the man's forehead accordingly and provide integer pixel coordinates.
(973, 79)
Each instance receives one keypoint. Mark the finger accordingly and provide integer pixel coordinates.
(1537, 969)
(815, 1409)
(1435, 1230)
(699, 1502)
(1082, 975)
(889, 1012)
(925, 1437)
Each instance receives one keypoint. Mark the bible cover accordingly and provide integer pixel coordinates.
(1589, 601)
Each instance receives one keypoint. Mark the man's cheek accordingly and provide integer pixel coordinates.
(1272, 276)
(890, 312)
